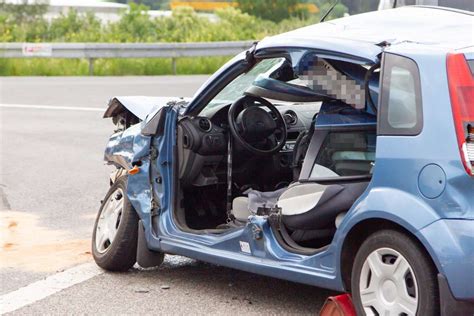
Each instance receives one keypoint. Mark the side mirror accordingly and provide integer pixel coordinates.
(156, 125)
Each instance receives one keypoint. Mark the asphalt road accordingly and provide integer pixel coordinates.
(52, 178)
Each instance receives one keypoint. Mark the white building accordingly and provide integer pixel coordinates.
(105, 11)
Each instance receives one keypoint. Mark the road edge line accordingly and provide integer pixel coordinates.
(53, 284)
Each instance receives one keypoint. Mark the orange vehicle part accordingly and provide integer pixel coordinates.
(134, 170)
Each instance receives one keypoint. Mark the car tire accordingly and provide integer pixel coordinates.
(114, 239)
(393, 275)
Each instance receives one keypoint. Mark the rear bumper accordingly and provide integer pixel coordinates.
(449, 305)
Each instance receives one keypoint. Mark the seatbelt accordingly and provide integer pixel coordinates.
(230, 216)
(299, 151)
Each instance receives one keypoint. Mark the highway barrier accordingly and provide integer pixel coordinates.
(92, 51)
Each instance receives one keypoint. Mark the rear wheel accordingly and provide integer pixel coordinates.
(114, 240)
(392, 275)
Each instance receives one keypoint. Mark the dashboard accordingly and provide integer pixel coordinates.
(202, 140)
(203, 136)
(298, 118)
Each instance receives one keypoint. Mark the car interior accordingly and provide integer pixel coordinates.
(292, 139)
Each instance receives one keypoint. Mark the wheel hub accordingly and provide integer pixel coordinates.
(389, 291)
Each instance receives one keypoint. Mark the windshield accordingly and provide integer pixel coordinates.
(236, 88)
(302, 76)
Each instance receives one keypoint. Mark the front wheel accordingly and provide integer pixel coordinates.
(114, 240)
(392, 275)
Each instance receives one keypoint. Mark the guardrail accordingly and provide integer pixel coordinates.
(92, 51)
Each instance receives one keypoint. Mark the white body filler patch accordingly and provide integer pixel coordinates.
(245, 247)
(53, 284)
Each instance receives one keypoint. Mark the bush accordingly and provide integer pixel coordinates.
(135, 25)
(108, 67)
(22, 22)
(74, 28)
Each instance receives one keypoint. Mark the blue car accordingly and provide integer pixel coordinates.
(339, 155)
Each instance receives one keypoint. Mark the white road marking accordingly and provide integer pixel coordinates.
(50, 107)
(53, 284)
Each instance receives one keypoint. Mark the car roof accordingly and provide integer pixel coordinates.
(441, 28)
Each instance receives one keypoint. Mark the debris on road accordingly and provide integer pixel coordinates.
(142, 291)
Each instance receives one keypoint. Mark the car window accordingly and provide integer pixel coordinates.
(400, 101)
(345, 154)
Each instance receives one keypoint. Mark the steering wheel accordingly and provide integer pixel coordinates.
(250, 124)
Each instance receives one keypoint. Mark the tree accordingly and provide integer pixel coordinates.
(25, 11)
(325, 5)
(274, 10)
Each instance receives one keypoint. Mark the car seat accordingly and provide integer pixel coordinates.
(309, 210)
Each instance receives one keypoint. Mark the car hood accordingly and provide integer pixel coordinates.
(140, 106)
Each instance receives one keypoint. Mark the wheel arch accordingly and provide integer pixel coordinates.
(359, 233)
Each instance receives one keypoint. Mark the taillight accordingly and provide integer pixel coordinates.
(461, 90)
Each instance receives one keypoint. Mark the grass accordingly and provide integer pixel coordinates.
(109, 67)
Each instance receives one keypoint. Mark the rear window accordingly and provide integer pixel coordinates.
(400, 103)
